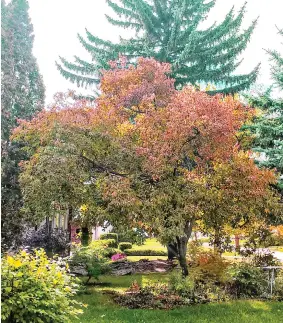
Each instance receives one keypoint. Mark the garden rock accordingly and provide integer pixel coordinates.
(125, 267)
(78, 270)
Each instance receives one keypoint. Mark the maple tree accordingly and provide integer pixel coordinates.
(151, 156)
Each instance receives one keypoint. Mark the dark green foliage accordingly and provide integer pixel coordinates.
(169, 31)
(22, 95)
(125, 245)
(133, 252)
(105, 236)
(247, 281)
(268, 127)
(136, 236)
(92, 259)
(268, 132)
(56, 241)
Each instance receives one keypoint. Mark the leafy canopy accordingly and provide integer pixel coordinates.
(151, 154)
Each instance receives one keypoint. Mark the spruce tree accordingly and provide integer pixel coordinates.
(22, 95)
(169, 31)
(268, 126)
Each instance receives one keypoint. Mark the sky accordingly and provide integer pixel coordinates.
(57, 22)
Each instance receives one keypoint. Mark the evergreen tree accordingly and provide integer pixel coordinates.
(268, 126)
(22, 95)
(277, 68)
(169, 31)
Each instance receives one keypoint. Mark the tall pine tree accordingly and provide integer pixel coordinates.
(268, 126)
(22, 95)
(169, 31)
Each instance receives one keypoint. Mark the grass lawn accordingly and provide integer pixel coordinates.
(101, 308)
(151, 244)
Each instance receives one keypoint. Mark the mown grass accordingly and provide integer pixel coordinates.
(101, 308)
(151, 244)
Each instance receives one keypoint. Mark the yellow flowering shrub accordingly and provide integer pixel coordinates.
(36, 289)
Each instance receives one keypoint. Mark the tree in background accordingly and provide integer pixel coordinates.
(147, 153)
(22, 95)
(268, 125)
(170, 31)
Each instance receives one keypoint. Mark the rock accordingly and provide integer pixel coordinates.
(124, 267)
(121, 268)
(78, 270)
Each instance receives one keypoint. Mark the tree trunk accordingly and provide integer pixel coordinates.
(172, 250)
(182, 243)
(182, 248)
(216, 242)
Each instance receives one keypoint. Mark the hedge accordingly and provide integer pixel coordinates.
(125, 245)
(105, 236)
(148, 252)
(111, 243)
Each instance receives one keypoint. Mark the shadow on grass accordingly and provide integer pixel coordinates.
(102, 309)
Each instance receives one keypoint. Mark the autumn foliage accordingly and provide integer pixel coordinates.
(153, 155)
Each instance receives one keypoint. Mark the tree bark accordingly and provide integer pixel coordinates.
(182, 243)
(172, 250)
(182, 248)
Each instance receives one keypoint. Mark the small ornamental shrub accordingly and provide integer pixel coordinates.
(36, 289)
(92, 259)
(148, 252)
(112, 243)
(247, 280)
(209, 266)
(125, 245)
(106, 236)
(181, 285)
(118, 256)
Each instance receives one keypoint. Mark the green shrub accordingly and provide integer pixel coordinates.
(179, 284)
(111, 243)
(36, 289)
(148, 252)
(247, 280)
(135, 236)
(106, 236)
(103, 247)
(92, 259)
(125, 245)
